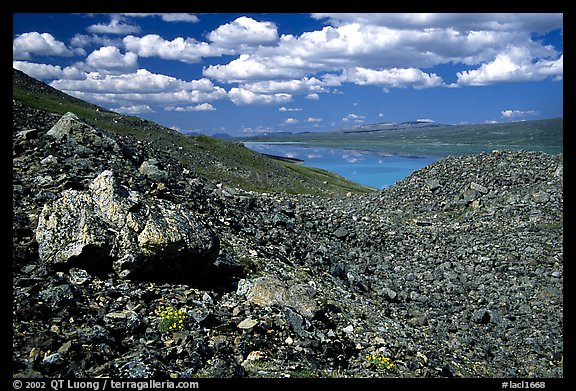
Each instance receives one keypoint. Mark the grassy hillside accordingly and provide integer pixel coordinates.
(537, 135)
(218, 160)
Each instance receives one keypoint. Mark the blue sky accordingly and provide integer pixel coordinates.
(245, 74)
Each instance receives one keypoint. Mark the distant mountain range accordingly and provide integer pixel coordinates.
(391, 126)
(427, 137)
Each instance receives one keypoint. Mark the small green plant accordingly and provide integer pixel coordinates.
(170, 319)
(378, 361)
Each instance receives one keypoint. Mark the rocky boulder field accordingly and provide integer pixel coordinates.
(455, 271)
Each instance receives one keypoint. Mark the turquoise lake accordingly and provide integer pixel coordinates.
(369, 168)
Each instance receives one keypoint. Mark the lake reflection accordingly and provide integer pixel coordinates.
(368, 168)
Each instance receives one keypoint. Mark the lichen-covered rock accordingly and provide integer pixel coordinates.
(150, 169)
(268, 291)
(70, 232)
(80, 135)
(110, 228)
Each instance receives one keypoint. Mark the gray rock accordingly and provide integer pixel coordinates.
(79, 134)
(389, 294)
(348, 329)
(110, 228)
(341, 233)
(78, 276)
(49, 160)
(433, 183)
(58, 295)
(482, 316)
(224, 367)
(247, 323)
(53, 360)
(338, 270)
(296, 322)
(150, 169)
(479, 188)
(559, 172)
(138, 369)
(469, 195)
(540, 196)
(27, 134)
(269, 291)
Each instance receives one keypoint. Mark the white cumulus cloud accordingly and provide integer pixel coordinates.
(48, 71)
(295, 86)
(132, 110)
(529, 22)
(26, 45)
(38, 71)
(186, 50)
(289, 109)
(243, 32)
(200, 107)
(83, 40)
(517, 113)
(109, 58)
(351, 117)
(515, 65)
(240, 96)
(265, 67)
(140, 86)
(394, 77)
(116, 26)
(392, 51)
(179, 17)
(248, 67)
(142, 81)
(168, 17)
